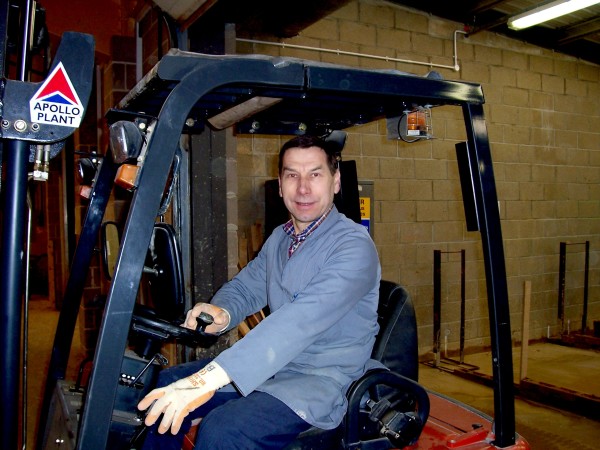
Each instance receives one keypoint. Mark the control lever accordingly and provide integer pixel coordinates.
(204, 320)
(132, 383)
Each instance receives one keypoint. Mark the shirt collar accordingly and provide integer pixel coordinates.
(289, 229)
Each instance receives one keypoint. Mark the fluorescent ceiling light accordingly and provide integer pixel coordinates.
(547, 12)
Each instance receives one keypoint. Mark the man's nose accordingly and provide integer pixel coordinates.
(303, 185)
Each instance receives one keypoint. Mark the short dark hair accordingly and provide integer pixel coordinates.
(306, 141)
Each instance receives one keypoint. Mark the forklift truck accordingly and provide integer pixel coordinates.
(192, 93)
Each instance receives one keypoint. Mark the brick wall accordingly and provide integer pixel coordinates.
(543, 119)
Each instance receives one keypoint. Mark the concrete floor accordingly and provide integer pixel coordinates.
(43, 318)
(545, 427)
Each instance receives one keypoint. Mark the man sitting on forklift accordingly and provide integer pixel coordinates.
(319, 275)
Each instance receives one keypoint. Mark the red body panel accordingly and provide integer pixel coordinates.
(453, 425)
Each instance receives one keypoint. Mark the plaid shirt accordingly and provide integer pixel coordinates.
(288, 227)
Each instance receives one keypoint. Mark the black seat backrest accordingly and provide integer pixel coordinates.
(396, 345)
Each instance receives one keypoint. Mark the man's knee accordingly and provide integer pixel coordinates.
(215, 433)
(256, 422)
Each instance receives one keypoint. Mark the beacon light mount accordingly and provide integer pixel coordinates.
(412, 125)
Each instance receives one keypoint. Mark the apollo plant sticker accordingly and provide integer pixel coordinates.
(56, 102)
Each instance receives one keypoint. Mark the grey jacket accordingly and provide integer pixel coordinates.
(322, 324)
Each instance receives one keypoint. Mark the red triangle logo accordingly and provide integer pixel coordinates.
(58, 83)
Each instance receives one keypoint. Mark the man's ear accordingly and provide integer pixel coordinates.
(279, 184)
(337, 180)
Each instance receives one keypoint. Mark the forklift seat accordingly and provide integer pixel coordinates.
(397, 406)
(396, 345)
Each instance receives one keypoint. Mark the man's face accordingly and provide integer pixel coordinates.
(306, 185)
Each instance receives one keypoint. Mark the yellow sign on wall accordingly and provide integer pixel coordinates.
(365, 211)
(365, 208)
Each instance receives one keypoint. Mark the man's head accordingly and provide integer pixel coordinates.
(330, 149)
(308, 178)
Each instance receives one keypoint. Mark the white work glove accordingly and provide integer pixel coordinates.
(220, 317)
(178, 399)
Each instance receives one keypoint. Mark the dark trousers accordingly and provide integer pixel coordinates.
(229, 420)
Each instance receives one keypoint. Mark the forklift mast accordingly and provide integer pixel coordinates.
(36, 118)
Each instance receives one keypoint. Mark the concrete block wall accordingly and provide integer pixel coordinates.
(543, 118)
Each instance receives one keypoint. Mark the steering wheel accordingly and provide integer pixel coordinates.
(161, 322)
(146, 322)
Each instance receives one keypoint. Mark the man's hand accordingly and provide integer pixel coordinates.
(178, 399)
(220, 317)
